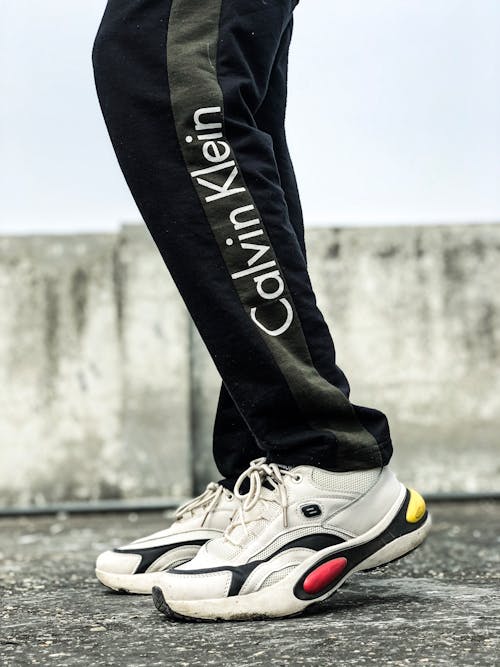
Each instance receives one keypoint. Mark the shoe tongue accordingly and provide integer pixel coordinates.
(266, 508)
(267, 493)
(266, 484)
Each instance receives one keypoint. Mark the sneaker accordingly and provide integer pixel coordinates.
(133, 567)
(298, 535)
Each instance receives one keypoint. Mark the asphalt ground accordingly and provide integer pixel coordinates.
(438, 606)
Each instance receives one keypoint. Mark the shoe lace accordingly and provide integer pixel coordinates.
(208, 500)
(259, 472)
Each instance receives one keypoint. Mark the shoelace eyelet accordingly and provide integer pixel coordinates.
(297, 478)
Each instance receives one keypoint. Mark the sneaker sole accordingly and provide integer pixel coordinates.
(136, 584)
(325, 571)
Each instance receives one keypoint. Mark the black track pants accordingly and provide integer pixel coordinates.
(193, 94)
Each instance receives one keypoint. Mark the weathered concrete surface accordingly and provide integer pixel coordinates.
(439, 606)
(415, 314)
(94, 371)
(106, 391)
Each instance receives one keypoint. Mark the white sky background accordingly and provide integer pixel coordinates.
(393, 116)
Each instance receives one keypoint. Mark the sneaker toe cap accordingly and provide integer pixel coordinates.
(117, 563)
(199, 586)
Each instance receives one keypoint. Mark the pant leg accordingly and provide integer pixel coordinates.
(270, 118)
(229, 426)
(205, 179)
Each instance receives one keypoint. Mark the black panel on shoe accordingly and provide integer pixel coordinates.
(240, 573)
(150, 554)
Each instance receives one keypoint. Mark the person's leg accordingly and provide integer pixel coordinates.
(229, 426)
(182, 121)
(204, 174)
(269, 118)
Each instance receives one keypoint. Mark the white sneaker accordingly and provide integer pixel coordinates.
(299, 534)
(133, 567)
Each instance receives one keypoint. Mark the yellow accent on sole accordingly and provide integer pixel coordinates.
(416, 507)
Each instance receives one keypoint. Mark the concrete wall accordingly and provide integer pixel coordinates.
(106, 390)
(94, 363)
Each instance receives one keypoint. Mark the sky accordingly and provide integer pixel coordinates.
(393, 115)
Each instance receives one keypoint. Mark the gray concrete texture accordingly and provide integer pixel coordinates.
(106, 390)
(438, 606)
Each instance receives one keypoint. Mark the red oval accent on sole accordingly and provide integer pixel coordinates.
(323, 575)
